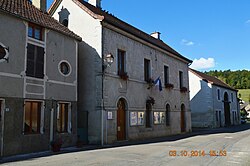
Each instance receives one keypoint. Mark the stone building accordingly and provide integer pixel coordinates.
(38, 79)
(213, 103)
(120, 99)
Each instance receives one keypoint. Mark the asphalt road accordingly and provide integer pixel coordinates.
(225, 146)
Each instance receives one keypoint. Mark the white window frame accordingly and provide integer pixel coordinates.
(69, 127)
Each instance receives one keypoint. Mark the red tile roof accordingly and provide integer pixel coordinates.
(106, 17)
(211, 79)
(23, 9)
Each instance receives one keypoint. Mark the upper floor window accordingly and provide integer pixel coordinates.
(147, 70)
(181, 79)
(32, 117)
(218, 94)
(35, 61)
(63, 118)
(232, 96)
(35, 31)
(166, 75)
(121, 62)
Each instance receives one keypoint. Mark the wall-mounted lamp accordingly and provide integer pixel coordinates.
(4, 53)
(108, 60)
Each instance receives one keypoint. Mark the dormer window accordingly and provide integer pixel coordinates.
(35, 31)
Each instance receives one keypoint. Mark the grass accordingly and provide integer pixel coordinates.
(244, 94)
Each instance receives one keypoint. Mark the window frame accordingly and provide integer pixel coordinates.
(33, 28)
(181, 79)
(40, 118)
(147, 69)
(121, 62)
(68, 119)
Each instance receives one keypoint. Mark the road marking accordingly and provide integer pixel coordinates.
(235, 162)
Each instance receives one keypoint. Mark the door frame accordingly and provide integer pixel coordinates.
(183, 119)
(125, 119)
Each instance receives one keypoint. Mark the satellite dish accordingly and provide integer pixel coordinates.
(4, 53)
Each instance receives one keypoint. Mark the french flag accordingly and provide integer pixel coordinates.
(158, 83)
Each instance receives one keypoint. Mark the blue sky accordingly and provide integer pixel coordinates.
(213, 33)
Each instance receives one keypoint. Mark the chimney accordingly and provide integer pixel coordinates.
(40, 4)
(96, 3)
(156, 35)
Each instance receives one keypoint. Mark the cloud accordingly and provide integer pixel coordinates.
(203, 63)
(186, 42)
(247, 22)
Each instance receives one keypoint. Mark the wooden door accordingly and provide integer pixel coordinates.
(183, 122)
(121, 121)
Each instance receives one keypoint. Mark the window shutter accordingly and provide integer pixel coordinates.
(40, 62)
(30, 60)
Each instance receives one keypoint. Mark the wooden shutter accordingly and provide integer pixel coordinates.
(39, 62)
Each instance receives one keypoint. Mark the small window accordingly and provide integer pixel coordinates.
(159, 117)
(35, 61)
(63, 118)
(167, 115)
(166, 75)
(64, 68)
(232, 96)
(181, 79)
(218, 94)
(121, 62)
(65, 22)
(2, 52)
(148, 115)
(147, 70)
(32, 117)
(35, 31)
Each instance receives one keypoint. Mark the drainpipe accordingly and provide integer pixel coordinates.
(51, 123)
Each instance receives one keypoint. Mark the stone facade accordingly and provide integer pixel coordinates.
(52, 89)
(207, 103)
(101, 90)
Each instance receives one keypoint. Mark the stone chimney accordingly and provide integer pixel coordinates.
(96, 3)
(156, 35)
(40, 4)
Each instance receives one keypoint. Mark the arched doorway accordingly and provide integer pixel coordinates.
(227, 110)
(183, 121)
(121, 120)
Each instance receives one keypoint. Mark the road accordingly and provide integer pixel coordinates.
(230, 145)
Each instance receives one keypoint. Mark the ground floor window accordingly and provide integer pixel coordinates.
(148, 115)
(136, 118)
(63, 118)
(167, 115)
(32, 117)
(159, 117)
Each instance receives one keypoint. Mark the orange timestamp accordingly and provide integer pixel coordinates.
(197, 153)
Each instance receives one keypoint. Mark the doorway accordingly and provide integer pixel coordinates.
(121, 120)
(1, 126)
(183, 122)
(227, 110)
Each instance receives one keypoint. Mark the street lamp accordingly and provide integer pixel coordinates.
(108, 60)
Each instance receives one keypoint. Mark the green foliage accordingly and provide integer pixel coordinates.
(239, 79)
(244, 94)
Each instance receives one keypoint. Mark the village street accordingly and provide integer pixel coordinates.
(230, 145)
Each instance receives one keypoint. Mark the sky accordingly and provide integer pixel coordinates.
(215, 34)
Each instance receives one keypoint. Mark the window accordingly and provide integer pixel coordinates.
(63, 118)
(64, 68)
(32, 117)
(147, 70)
(167, 115)
(136, 118)
(181, 79)
(35, 61)
(121, 62)
(217, 114)
(148, 115)
(166, 75)
(35, 31)
(232, 96)
(218, 94)
(159, 117)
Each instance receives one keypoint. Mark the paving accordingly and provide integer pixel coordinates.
(222, 146)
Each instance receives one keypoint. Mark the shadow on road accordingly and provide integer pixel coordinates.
(195, 132)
